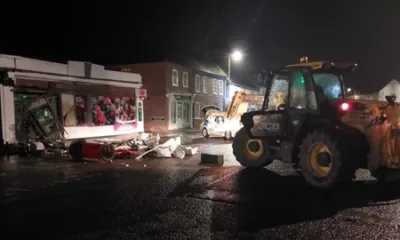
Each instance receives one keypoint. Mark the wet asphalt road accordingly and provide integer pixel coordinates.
(180, 199)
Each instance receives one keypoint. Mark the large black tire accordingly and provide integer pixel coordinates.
(340, 170)
(240, 150)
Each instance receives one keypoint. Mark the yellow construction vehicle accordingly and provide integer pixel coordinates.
(227, 123)
(307, 120)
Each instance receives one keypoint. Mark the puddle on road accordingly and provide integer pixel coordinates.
(207, 176)
(220, 196)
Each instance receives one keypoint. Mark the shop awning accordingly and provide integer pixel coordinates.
(66, 84)
(69, 79)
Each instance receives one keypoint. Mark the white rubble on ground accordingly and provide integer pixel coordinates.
(171, 148)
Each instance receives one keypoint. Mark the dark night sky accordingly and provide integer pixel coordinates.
(272, 33)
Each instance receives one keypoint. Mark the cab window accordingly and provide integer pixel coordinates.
(298, 96)
(329, 84)
(279, 91)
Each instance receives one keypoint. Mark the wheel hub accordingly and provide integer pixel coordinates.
(254, 146)
(324, 159)
(320, 159)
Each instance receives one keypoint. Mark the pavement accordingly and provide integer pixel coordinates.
(182, 199)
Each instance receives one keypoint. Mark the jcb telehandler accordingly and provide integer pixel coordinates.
(307, 120)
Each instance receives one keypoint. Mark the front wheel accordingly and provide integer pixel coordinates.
(250, 152)
(322, 161)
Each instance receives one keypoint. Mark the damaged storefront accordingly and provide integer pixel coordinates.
(77, 99)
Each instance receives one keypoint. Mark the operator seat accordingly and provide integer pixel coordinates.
(320, 95)
(279, 100)
(327, 109)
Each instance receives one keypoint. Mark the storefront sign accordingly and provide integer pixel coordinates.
(141, 93)
(158, 118)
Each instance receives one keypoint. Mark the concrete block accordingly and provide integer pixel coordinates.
(212, 159)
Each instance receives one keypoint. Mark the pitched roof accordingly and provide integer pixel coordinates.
(192, 59)
(185, 58)
(392, 82)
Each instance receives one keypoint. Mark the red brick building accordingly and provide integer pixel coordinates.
(177, 92)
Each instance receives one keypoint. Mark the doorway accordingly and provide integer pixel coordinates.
(181, 112)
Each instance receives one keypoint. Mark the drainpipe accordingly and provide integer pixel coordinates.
(191, 109)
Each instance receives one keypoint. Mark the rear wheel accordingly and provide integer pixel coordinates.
(204, 132)
(250, 152)
(228, 135)
(322, 161)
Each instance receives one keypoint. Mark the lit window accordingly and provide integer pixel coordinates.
(204, 84)
(185, 80)
(197, 83)
(221, 87)
(215, 86)
(175, 78)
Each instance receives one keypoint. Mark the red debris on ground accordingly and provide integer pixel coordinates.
(125, 153)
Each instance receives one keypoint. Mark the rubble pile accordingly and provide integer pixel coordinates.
(144, 145)
(171, 148)
(45, 136)
(107, 149)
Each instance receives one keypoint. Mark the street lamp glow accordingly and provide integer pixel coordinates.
(349, 90)
(237, 55)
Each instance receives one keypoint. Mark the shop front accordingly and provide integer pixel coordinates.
(89, 102)
(180, 109)
(88, 110)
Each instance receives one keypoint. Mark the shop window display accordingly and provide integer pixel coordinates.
(80, 109)
(99, 111)
(110, 111)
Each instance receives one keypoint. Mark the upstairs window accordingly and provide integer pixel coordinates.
(185, 80)
(215, 86)
(204, 84)
(175, 78)
(197, 83)
(221, 87)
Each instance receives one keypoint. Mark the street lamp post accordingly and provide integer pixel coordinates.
(235, 56)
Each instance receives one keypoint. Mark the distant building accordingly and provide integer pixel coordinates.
(370, 96)
(392, 88)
